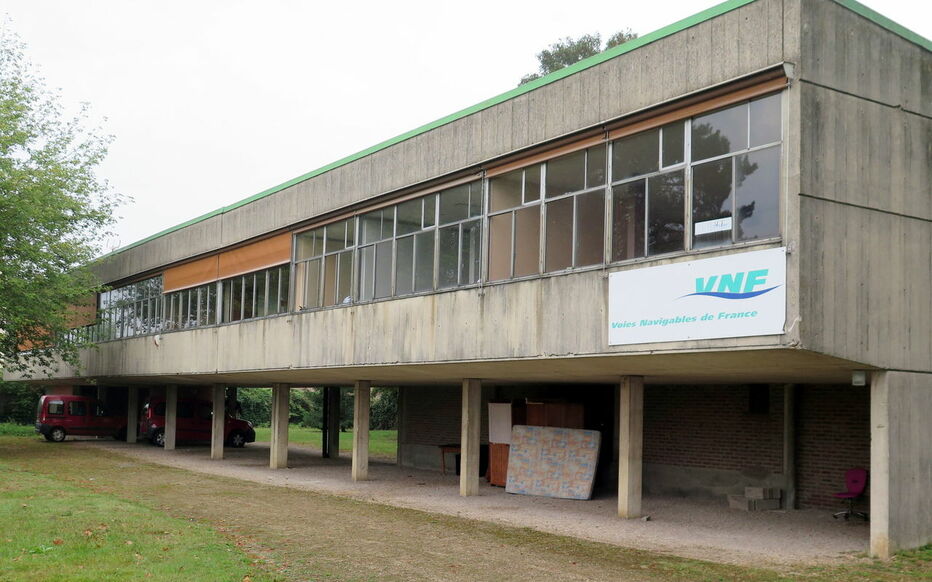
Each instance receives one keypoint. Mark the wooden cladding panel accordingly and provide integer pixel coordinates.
(260, 255)
(191, 274)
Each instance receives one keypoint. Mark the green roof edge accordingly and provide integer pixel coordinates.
(582, 65)
(884, 22)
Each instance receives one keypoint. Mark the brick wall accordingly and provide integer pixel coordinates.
(832, 435)
(431, 415)
(710, 427)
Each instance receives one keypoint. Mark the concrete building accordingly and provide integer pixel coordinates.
(702, 236)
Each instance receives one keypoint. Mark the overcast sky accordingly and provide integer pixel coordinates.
(212, 101)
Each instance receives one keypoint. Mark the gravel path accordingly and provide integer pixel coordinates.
(689, 528)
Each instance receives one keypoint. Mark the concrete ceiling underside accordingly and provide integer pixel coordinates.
(773, 366)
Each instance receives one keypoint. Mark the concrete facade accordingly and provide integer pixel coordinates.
(855, 216)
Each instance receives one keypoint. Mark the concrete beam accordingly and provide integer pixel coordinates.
(132, 414)
(218, 423)
(901, 462)
(630, 445)
(171, 416)
(278, 456)
(789, 446)
(361, 430)
(469, 438)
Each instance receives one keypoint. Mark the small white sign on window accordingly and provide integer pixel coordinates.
(716, 225)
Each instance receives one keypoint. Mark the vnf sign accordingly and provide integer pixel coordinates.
(735, 295)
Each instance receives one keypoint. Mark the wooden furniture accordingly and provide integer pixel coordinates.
(556, 414)
(498, 464)
(444, 450)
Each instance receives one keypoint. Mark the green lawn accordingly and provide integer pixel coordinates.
(10, 429)
(382, 443)
(52, 530)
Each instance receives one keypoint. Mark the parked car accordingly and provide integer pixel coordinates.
(193, 423)
(60, 415)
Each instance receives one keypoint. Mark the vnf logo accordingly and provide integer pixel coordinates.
(739, 285)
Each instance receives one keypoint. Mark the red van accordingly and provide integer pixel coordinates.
(59, 415)
(193, 423)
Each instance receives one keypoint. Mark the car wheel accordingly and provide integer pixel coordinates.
(237, 440)
(57, 434)
(158, 438)
(48, 437)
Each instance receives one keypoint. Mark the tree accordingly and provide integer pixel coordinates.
(568, 51)
(54, 213)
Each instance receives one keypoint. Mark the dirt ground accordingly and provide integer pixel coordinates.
(704, 530)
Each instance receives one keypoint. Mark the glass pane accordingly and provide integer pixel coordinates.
(383, 269)
(370, 227)
(475, 199)
(527, 241)
(757, 181)
(424, 261)
(558, 250)
(566, 174)
(227, 301)
(273, 302)
(499, 247)
(720, 133)
(454, 204)
(595, 166)
(471, 253)
(335, 236)
(665, 204)
(249, 297)
(673, 143)
(345, 281)
(312, 284)
(409, 216)
(505, 191)
(590, 228)
(448, 256)
(261, 295)
(366, 273)
(212, 303)
(765, 120)
(284, 279)
(309, 244)
(635, 155)
(628, 206)
(350, 232)
(404, 265)
(532, 183)
(430, 210)
(712, 204)
(203, 306)
(330, 280)
(236, 303)
(300, 285)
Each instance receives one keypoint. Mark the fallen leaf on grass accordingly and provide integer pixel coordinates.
(247, 578)
(58, 541)
(88, 533)
(128, 542)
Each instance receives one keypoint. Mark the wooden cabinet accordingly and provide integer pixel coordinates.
(558, 414)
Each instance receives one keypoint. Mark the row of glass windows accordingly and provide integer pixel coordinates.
(141, 308)
(707, 181)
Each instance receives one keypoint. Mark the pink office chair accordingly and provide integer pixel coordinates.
(856, 482)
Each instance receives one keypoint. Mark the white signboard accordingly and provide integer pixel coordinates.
(732, 296)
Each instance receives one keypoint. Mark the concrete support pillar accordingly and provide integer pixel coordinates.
(332, 413)
(469, 438)
(132, 414)
(218, 424)
(789, 446)
(278, 456)
(630, 445)
(901, 462)
(361, 430)
(171, 416)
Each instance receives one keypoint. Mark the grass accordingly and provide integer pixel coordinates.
(207, 522)
(382, 443)
(53, 530)
(11, 429)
